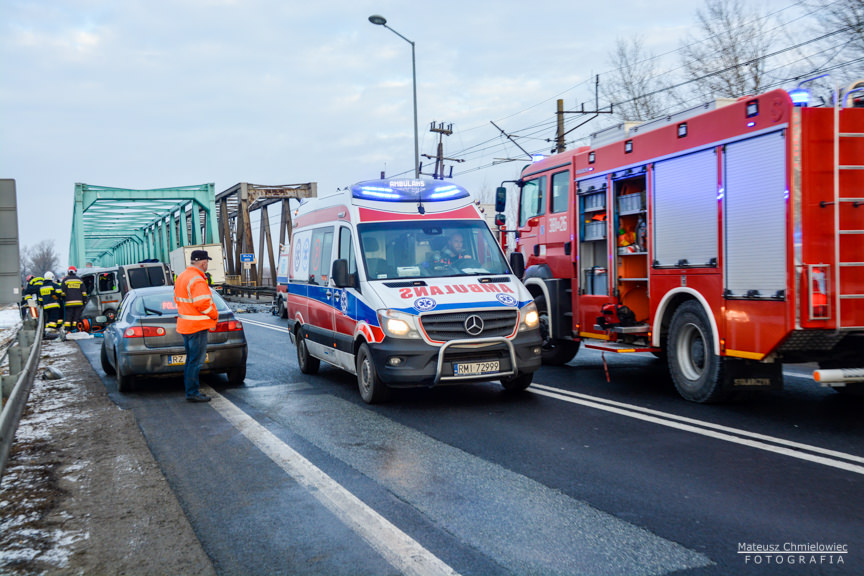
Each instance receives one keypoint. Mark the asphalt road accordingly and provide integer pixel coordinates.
(294, 474)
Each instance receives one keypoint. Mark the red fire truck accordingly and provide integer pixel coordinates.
(728, 239)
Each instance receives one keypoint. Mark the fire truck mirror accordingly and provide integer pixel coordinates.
(500, 220)
(500, 199)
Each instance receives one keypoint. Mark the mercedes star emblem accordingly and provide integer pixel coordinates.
(474, 325)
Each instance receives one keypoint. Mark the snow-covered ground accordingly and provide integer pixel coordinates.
(10, 320)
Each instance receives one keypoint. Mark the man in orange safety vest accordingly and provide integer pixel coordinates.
(197, 314)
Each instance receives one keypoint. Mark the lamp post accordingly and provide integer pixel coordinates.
(381, 21)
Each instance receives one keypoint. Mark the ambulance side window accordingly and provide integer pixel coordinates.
(532, 201)
(320, 256)
(346, 252)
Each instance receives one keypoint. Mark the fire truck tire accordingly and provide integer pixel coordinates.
(106, 364)
(517, 383)
(308, 364)
(554, 352)
(696, 371)
(372, 390)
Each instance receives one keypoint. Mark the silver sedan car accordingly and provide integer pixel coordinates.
(144, 340)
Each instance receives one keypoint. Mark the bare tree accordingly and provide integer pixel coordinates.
(39, 259)
(726, 57)
(848, 16)
(634, 84)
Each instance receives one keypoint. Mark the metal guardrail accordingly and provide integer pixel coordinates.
(249, 291)
(19, 382)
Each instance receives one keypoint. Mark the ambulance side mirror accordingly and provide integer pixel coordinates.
(340, 276)
(517, 264)
(500, 199)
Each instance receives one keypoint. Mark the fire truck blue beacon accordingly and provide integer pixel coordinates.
(402, 283)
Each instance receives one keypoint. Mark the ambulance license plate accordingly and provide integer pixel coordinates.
(475, 368)
(180, 359)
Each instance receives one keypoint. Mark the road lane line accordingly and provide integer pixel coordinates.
(400, 550)
(703, 428)
(704, 424)
(265, 325)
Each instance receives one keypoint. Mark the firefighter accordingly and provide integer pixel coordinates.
(49, 298)
(75, 294)
(31, 293)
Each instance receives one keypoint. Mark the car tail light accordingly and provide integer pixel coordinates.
(144, 332)
(229, 326)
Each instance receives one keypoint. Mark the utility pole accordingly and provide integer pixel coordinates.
(438, 173)
(559, 136)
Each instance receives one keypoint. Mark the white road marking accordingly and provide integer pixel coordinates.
(734, 435)
(399, 549)
(265, 325)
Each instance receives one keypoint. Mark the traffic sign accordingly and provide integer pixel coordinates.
(250, 258)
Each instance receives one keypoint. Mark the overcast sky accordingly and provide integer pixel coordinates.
(151, 93)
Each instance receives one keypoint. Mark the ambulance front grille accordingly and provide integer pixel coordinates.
(451, 325)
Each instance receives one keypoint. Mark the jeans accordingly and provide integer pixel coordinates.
(196, 353)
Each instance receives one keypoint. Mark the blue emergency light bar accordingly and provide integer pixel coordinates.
(408, 190)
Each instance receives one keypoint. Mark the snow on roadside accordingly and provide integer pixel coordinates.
(34, 476)
(10, 320)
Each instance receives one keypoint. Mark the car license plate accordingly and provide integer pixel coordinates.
(180, 359)
(475, 368)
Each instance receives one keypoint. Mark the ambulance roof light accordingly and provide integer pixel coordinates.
(407, 190)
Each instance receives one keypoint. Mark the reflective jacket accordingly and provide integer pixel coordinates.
(34, 286)
(49, 295)
(195, 308)
(74, 291)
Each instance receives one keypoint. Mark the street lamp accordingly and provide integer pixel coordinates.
(381, 21)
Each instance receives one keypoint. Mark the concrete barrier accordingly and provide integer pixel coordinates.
(23, 363)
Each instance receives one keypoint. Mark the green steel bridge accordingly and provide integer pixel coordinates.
(113, 226)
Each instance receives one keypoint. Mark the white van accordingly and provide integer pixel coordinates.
(106, 286)
(402, 283)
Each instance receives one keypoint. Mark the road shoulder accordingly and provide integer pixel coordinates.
(82, 492)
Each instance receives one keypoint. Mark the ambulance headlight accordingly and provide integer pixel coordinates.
(530, 318)
(398, 324)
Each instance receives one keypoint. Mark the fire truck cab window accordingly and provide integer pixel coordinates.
(560, 192)
(532, 200)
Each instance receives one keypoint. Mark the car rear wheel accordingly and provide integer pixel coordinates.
(106, 364)
(308, 364)
(372, 390)
(236, 376)
(124, 382)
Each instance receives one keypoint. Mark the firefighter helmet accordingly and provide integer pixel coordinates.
(49, 276)
(73, 269)
(29, 278)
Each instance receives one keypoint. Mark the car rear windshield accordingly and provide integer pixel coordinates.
(162, 304)
(147, 276)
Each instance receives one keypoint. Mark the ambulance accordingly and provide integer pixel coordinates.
(402, 283)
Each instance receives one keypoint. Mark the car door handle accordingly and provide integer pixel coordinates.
(328, 294)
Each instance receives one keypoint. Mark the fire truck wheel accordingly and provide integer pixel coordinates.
(372, 390)
(517, 383)
(106, 364)
(696, 371)
(308, 364)
(554, 352)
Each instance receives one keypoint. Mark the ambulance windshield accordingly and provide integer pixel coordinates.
(415, 249)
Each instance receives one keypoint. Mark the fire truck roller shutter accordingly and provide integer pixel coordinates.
(685, 210)
(755, 216)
